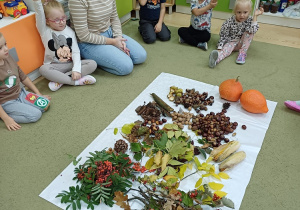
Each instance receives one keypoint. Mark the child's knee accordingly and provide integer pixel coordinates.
(35, 117)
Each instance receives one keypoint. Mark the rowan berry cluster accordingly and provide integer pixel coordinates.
(104, 169)
(137, 167)
(216, 197)
(193, 194)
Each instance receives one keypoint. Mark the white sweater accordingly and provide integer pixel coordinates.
(52, 40)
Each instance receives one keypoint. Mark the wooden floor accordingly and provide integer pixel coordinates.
(272, 34)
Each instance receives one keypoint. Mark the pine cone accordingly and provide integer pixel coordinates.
(226, 105)
(121, 146)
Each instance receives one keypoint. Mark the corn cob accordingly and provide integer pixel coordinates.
(222, 152)
(232, 161)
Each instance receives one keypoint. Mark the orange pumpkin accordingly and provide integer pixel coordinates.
(254, 101)
(231, 89)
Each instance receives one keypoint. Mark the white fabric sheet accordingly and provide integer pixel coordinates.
(251, 140)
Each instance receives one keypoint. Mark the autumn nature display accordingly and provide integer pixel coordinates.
(108, 176)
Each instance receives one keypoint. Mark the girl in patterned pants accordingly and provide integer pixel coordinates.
(236, 33)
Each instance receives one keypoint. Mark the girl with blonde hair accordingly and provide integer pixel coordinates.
(62, 62)
(236, 33)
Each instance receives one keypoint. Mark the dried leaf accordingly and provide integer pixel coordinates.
(153, 178)
(215, 186)
(120, 198)
(165, 160)
(157, 158)
(223, 175)
(169, 204)
(227, 202)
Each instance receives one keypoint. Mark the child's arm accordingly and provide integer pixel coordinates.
(40, 16)
(224, 33)
(28, 83)
(76, 70)
(9, 122)
(158, 26)
(202, 10)
(258, 12)
(142, 2)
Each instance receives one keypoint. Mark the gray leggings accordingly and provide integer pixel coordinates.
(27, 108)
(59, 72)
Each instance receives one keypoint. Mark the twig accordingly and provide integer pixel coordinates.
(190, 175)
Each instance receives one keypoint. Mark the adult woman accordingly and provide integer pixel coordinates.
(99, 31)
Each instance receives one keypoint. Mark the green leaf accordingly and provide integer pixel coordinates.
(74, 205)
(135, 147)
(68, 207)
(170, 134)
(163, 173)
(186, 200)
(169, 145)
(177, 134)
(172, 171)
(227, 202)
(126, 129)
(138, 156)
(175, 162)
(78, 204)
(178, 148)
(161, 144)
(116, 131)
(202, 141)
(202, 152)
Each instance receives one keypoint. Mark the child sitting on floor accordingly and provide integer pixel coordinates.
(62, 62)
(151, 23)
(236, 33)
(198, 34)
(16, 104)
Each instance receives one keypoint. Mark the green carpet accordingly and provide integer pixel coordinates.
(33, 156)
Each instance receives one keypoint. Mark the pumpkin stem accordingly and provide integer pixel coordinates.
(237, 79)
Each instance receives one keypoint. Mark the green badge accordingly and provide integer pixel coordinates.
(41, 102)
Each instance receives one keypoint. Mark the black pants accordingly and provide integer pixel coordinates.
(193, 36)
(147, 31)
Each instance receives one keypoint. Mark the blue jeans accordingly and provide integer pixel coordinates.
(27, 108)
(112, 59)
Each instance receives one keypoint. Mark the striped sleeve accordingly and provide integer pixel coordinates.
(91, 17)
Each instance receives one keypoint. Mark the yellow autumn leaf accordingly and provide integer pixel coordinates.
(216, 176)
(197, 162)
(201, 188)
(149, 163)
(223, 175)
(164, 161)
(212, 169)
(209, 159)
(206, 175)
(182, 169)
(220, 193)
(215, 186)
(198, 183)
(153, 178)
(207, 200)
(157, 158)
(190, 166)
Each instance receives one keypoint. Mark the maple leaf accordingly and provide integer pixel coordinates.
(169, 204)
(120, 198)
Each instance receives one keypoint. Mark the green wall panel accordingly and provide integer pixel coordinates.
(124, 7)
(222, 5)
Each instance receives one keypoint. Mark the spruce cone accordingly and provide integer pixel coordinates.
(121, 146)
(226, 105)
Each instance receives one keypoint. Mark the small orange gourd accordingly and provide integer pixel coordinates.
(254, 101)
(231, 89)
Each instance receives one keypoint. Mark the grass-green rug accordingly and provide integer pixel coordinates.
(33, 156)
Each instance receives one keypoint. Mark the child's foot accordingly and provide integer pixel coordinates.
(202, 45)
(213, 58)
(54, 86)
(86, 80)
(294, 105)
(181, 41)
(241, 59)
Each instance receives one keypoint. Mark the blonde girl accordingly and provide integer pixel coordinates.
(62, 62)
(236, 33)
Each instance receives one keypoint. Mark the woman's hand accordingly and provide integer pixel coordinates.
(76, 75)
(125, 49)
(11, 124)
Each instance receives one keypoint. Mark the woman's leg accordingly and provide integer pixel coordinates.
(164, 34)
(112, 59)
(147, 32)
